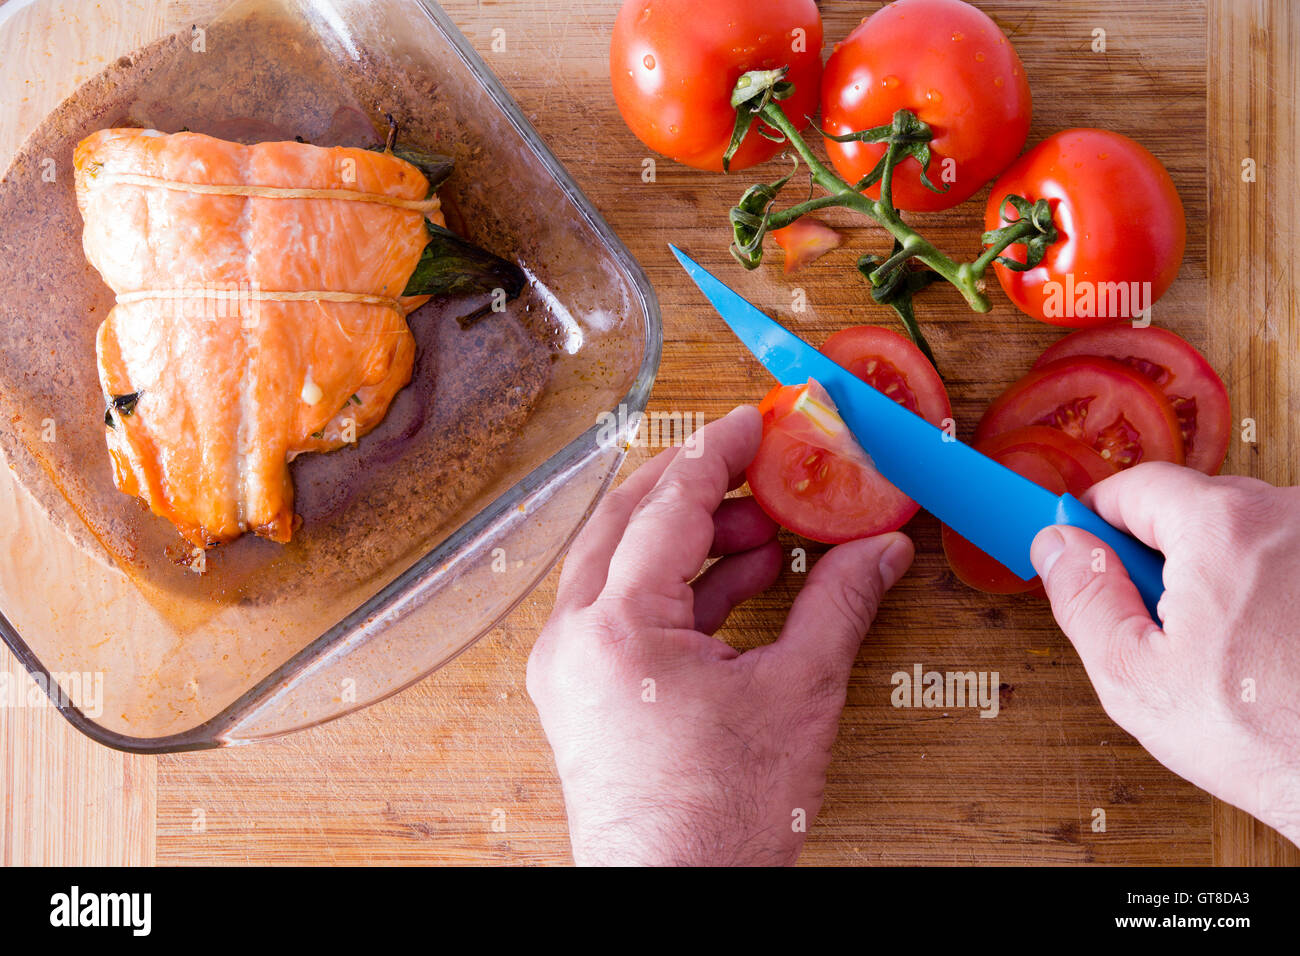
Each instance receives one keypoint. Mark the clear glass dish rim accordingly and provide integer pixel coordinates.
(207, 735)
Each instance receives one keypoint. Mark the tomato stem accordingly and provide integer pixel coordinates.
(905, 136)
(840, 193)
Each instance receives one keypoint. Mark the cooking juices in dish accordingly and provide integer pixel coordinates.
(493, 444)
(452, 440)
(261, 302)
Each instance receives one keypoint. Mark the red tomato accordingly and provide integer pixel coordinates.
(948, 63)
(674, 64)
(1196, 392)
(1116, 411)
(805, 240)
(810, 475)
(1047, 457)
(1121, 224)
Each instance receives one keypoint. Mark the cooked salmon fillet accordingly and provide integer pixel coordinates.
(259, 313)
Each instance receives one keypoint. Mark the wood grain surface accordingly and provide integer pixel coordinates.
(1253, 338)
(456, 769)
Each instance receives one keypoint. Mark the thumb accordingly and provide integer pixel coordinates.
(833, 612)
(1094, 601)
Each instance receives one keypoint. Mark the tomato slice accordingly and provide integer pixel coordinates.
(818, 482)
(805, 240)
(1049, 458)
(1193, 388)
(810, 475)
(893, 365)
(1078, 465)
(1118, 412)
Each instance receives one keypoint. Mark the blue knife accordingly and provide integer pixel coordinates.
(989, 505)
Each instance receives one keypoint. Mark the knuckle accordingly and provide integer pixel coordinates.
(616, 500)
(573, 643)
(1076, 591)
(541, 661)
(1121, 665)
(536, 675)
(612, 616)
(1229, 514)
(854, 601)
(1225, 501)
(669, 495)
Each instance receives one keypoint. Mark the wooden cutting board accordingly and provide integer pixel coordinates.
(457, 769)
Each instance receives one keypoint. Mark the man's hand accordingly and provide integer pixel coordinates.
(673, 747)
(1214, 695)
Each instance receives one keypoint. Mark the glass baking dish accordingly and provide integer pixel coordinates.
(416, 541)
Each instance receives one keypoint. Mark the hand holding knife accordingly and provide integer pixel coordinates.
(986, 503)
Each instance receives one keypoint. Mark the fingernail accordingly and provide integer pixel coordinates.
(742, 411)
(1048, 546)
(895, 560)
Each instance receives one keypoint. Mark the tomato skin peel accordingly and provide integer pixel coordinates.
(804, 241)
(815, 419)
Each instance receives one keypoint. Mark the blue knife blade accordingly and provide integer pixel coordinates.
(986, 503)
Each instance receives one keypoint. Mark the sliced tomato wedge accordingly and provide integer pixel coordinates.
(1118, 412)
(805, 240)
(810, 474)
(1049, 458)
(1197, 394)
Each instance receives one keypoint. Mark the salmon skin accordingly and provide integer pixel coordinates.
(260, 313)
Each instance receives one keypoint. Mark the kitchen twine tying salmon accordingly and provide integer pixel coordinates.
(423, 206)
(245, 299)
(257, 295)
(426, 207)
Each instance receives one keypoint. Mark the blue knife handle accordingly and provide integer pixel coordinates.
(1145, 565)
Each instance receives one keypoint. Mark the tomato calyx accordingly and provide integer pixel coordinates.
(905, 135)
(751, 219)
(761, 85)
(753, 92)
(1033, 228)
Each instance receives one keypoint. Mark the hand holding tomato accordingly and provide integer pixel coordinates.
(810, 474)
(672, 746)
(1214, 693)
